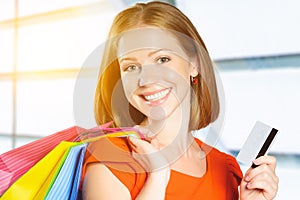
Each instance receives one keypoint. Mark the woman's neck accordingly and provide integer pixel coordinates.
(172, 135)
(174, 128)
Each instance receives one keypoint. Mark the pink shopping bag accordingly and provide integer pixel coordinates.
(14, 163)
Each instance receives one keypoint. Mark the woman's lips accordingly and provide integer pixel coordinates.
(156, 98)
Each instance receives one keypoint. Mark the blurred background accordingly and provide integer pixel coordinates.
(255, 45)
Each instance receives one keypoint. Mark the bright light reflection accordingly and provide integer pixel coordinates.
(6, 107)
(7, 10)
(60, 44)
(44, 107)
(6, 49)
(31, 7)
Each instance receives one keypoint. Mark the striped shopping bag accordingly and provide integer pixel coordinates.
(57, 174)
(66, 184)
(34, 184)
(14, 163)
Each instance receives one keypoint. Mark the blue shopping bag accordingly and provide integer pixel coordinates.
(66, 184)
(57, 175)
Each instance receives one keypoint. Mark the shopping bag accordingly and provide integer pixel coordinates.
(34, 183)
(66, 184)
(16, 162)
(52, 173)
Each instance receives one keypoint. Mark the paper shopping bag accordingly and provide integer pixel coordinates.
(16, 162)
(66, 184)
(44, 178)
(35, 183)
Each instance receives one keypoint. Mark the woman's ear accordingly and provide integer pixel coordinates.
(194, 64)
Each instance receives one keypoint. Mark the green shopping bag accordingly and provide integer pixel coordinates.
(66, 183)
(57, 175)
(35, 183)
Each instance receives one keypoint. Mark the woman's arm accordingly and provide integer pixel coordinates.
(146, 153)
(155, 186)
(101, 183)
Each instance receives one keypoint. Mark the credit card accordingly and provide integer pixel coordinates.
(257, 143)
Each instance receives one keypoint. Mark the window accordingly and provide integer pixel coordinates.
(43, 47)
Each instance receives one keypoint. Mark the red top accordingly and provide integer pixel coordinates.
(220, 181)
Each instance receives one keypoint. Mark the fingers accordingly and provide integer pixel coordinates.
(147, 155)
(266, 167)
(269, 160)
(148, 134)
(141, 146)
(263, 177)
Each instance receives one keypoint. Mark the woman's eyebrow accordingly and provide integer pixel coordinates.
(149, 54)
(156, 51)
(127, 59)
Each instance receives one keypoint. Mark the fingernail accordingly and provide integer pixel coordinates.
(256, 161)
(249, 185)
(247, 178)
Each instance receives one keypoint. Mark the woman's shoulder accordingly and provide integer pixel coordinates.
(221, 160)
(115, 154)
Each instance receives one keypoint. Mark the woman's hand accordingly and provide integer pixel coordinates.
(148, 155)
(260, 183)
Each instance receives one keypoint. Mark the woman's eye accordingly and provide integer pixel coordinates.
(131, 68)
(163, 59)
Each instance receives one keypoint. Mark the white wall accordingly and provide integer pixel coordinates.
(235, 28)
(269, 95)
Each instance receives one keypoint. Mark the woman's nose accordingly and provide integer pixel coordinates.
(148, 75)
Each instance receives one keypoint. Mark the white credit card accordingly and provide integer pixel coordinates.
(257, 143)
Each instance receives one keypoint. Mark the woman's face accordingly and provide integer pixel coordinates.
(155, 72)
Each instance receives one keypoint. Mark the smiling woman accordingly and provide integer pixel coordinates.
(145, 87)
(162, 45)
(151, 59)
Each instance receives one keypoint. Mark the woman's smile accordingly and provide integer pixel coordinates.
(156, 97)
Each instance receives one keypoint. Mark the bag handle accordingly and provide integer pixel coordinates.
(104, 131)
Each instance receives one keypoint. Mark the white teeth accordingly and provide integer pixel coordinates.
(157, 96)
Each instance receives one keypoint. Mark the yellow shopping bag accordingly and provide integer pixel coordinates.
(40, 181)
(35, 183)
